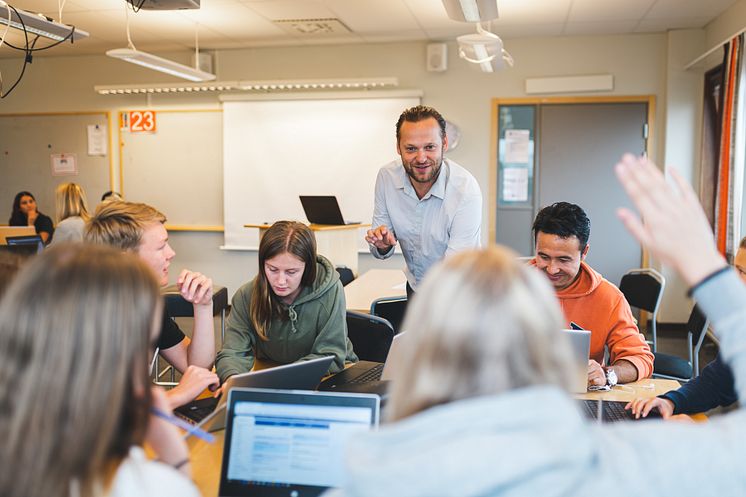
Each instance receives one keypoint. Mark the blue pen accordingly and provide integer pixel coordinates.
(191, 430)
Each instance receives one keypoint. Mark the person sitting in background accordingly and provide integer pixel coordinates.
(72, 212)
(481, 408)
(293, 310)
(111, 195)
(139, 228)
(561, 233)
(712, 388)
(77, 328)
(25, 213)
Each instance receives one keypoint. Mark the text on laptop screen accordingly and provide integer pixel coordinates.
(291, 443)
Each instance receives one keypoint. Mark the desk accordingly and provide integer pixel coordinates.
(339, 244)
(206, 458)
(372, 285)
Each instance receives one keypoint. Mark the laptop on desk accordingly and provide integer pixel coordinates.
(209, 413)
(580, 344)
(367, 376)
(290, 443)
(323, 209)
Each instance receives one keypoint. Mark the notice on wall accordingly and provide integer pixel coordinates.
(516, 146)
(96, 139)
(64, 164)
(515, 184)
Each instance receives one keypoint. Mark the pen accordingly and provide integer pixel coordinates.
(191, 430)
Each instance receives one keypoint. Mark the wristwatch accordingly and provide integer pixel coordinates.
(611, 378)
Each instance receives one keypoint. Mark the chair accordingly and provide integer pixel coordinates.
(345, 275)
(673, 367)
(643, 289)
(371, 336)
(391, 309)
(177, 307)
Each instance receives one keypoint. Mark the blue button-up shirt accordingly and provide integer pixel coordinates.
(447, 219)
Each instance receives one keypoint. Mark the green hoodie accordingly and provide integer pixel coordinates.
(315, 327)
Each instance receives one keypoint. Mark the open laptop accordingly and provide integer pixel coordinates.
(580, 343)
(367, 376)
(290, 443)
(323, 209)
(26, 245)
(6, 231)
(303, 375)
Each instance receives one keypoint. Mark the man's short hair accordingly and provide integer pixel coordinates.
(417, 114)
(564, 220)
(121, 224)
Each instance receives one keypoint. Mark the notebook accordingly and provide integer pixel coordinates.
(303, 375)
(367, 376)
(323, 209)
(289, 442)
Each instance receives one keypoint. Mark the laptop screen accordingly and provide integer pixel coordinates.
(290, 443)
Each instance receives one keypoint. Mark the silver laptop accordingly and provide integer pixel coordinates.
(290, 443)
(580, 343)
(302, 375)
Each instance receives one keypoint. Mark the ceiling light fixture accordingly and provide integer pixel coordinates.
(145, 59)
(39, 24)
(485, 49)
(471, 10)
(268, 86)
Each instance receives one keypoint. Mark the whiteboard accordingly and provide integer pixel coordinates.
(26, 143)
(276, 150)
(178, 168)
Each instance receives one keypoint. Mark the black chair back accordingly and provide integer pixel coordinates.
(641, 290)
(371, 336)
(392, 309)
(345, 275)
(697, 325)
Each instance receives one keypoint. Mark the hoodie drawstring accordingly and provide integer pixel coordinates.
(293, 317)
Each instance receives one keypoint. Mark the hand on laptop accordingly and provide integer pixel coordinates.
(381, 238)
(194, 381)
(642, 407)
(596, 374)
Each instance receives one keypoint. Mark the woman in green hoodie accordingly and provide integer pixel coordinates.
(293, 310)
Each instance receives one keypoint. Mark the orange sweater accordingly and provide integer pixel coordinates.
(600, 307)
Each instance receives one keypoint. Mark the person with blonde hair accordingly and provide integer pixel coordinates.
(72, 213)
(139, 228)
(77, 329)
(481, 408)
(293, 310)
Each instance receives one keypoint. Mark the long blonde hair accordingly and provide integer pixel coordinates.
(481, 323)
(70, 201)
(75, 337)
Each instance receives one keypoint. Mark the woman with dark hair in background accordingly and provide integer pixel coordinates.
(293, 310)
(25, 213)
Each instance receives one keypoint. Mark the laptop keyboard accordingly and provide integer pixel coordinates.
(612, 411)
(373, 374)
(197, 410)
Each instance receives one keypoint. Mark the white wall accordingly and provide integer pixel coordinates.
(639, 63)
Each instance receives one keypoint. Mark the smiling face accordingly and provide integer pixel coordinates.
(284, 273)
(155, 251)
(27, 204)
(559, 258)
(421, 148)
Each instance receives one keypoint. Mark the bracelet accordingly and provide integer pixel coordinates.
(706, 279)
(177, 465)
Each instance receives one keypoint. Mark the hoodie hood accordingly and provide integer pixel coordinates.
(326, 280)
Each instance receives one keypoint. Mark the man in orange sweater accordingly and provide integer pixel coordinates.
(561, 233)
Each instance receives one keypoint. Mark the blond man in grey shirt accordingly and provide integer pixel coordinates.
(430, 205)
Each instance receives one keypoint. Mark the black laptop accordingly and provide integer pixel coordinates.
(323, 209)
(25, 245)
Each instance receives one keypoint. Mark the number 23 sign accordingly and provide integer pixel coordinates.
(141, 121)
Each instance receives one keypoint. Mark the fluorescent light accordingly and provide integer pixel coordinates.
(40, 25)
(160, 64)
(268, 86)
(471, 10)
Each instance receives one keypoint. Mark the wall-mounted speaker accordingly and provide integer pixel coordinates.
(437, 57)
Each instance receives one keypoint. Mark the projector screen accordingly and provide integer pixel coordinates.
(276, 150)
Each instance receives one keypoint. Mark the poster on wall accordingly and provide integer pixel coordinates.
(64, 164)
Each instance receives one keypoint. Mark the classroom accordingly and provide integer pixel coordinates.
(573, 64)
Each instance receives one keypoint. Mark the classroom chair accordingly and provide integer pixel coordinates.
(392, 309)
(177, 307)
(673, 367)
(345, 275)
(643, 289)
(371, 336)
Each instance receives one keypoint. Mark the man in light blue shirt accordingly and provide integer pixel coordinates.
(430, 205)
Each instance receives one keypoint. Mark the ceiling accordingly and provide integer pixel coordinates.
(227, 24)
